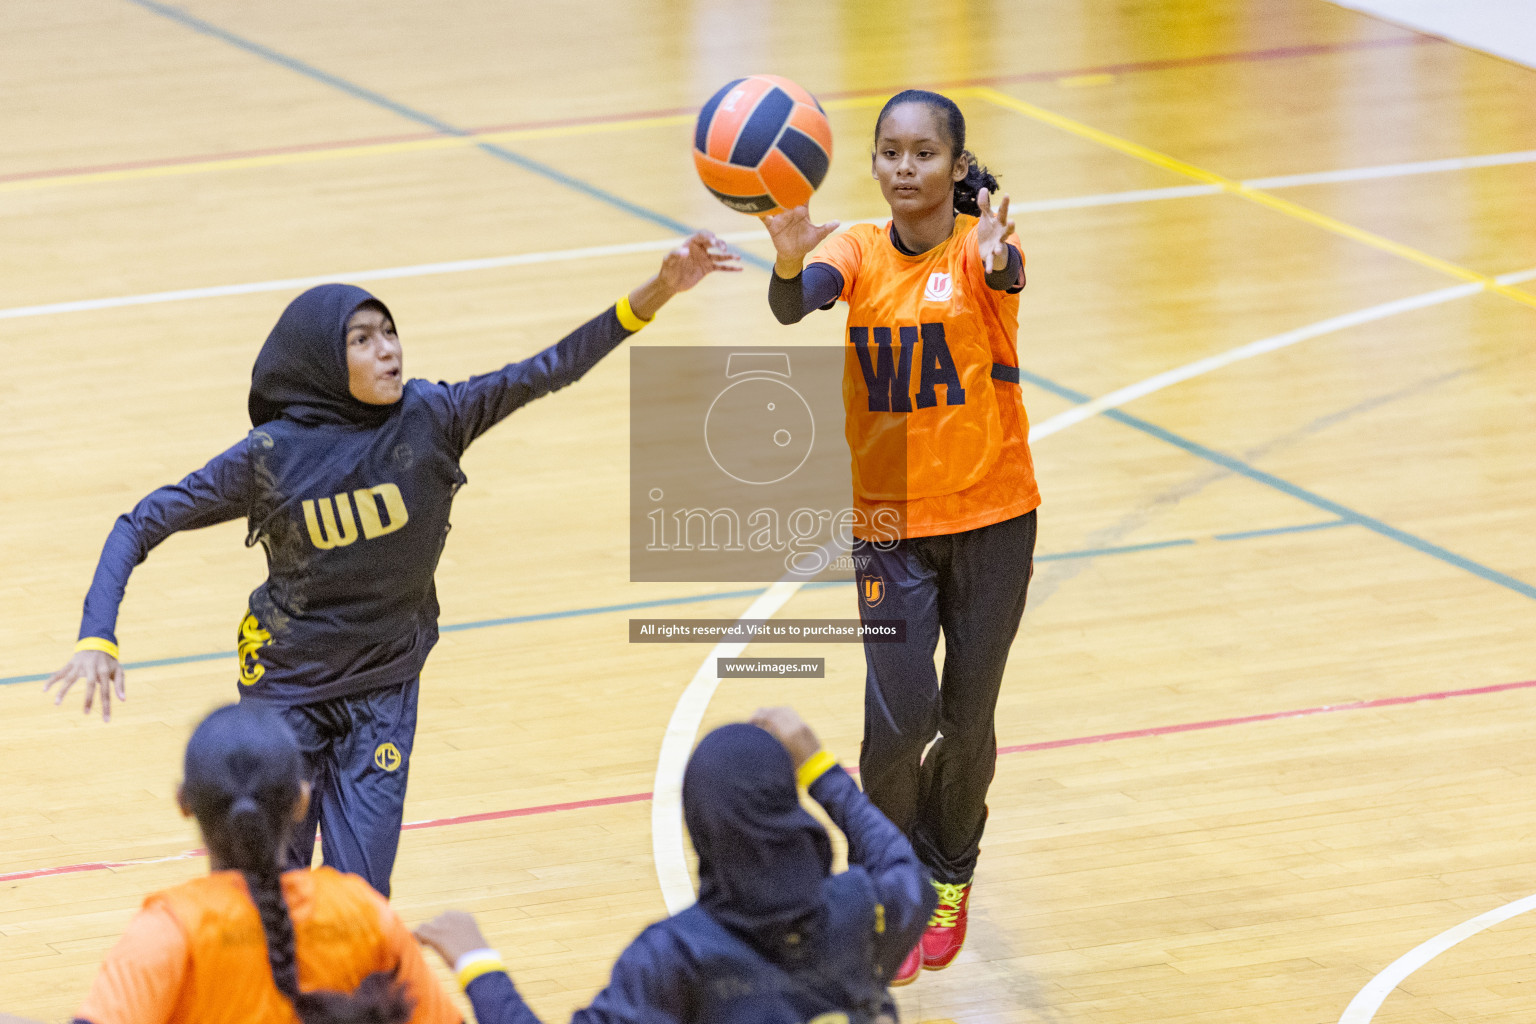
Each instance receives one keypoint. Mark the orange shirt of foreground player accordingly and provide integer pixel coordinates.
(196, 954)
(939, 446)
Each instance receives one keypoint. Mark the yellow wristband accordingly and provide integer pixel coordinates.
(815, 767)
(96, 643)
(628, 319)
(478, 966)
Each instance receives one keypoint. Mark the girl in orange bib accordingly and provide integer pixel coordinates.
(943, 482)
(250, 943)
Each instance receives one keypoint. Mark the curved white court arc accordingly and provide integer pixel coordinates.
(667, 844)
(1369, 999)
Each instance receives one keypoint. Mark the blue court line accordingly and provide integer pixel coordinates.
(571, 613)
(454, 628)
(1304, 528)
(1186, 541)
(1242, 468)
(1128, 549)
(356, 91)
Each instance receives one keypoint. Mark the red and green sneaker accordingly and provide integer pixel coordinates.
(906, 974)
(945, 936)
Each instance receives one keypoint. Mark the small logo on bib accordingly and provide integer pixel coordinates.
(939, 288)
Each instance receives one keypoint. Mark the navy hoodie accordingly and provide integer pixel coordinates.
(775, 937)
(349, 500)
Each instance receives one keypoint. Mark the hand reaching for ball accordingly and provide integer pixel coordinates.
(682, 268)
(702, 253)
(794, 236)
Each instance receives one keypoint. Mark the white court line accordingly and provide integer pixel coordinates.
(1369, 999)
(288, 284)
(737, 237)
(1140, 195)
(667, 846)
(1462, 163)
(1168, 378)
(677, 747)
(384, 274)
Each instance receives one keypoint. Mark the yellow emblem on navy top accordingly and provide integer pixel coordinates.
(252, 636)
(387, 756)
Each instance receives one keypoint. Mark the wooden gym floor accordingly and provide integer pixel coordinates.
(1266, 727)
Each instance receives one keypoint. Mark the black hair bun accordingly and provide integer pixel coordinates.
(969, 187)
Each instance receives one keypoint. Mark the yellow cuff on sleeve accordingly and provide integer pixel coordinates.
(472, 966)
(814, 768)
(96, 643)
(627, 317)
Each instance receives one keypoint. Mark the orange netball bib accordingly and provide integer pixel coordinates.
(922, 414)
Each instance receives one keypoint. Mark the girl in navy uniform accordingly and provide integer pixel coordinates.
(346, 480)
(775, 938)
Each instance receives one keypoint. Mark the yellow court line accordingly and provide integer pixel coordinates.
(382, 149)
(1253, 195)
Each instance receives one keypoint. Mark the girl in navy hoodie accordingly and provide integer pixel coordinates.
(346, 480)
(775, 937)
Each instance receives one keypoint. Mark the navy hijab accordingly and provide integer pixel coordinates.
(301, 372)
(762, 857)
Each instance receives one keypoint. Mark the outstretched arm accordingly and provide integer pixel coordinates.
(645, 987)
(642, 989)
(214, 494)
(455, 937)
(481, 402)
(815, 287)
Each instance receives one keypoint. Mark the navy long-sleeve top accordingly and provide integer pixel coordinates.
(353, 519)
(689, 968)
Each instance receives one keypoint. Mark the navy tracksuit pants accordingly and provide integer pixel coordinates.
(357, 754)
(971, 586)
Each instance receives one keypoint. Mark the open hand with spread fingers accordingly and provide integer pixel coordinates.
(794, 236)
(992, 231)
(103, 675)
(699, 256)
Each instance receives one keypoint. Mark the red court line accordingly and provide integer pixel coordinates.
(68, 869)
(1129, 67)
(1076, 741)
(520, 812)
(1220, 723)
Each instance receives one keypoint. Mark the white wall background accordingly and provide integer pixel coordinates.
(1505, 28)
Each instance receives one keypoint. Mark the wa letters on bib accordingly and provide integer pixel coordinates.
(922, 413)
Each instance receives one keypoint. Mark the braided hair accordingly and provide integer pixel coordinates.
(243, 779)
(976, 177)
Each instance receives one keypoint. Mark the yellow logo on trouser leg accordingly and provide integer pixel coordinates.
(252, 636)
(387, 756)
